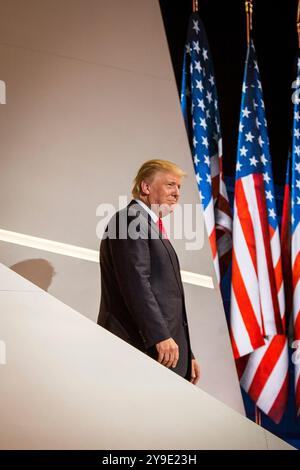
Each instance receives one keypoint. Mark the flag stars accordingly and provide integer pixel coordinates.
(255, 104)
(205, 142)
(253, 161)
(188, 48)
(297, 133)
(196, 26)
(199, 85)
(298, 201)
(297, 150)
(296, 116)
(243, 151)
(298, 184)
(238, 166)
(196, 46)
(207, 160)
(244, 88)
(193, 123)
(296, 99)
(246, 112)
(269, 195)
(266, 177)
(207, 114)
(257, 123)
(196, 160)
(263, 159)
(272, 213)
(198, 178)
(249, 137)
(260, 141)
(297, 167)
(209, 96)
(201, 104)
(241, 127)
(198, 66)
(208, 178)
(203, 123)
(204, 53)
(195, 141)
(211, 80)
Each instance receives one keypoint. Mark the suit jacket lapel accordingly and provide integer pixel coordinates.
(167, 244)
(171, 252)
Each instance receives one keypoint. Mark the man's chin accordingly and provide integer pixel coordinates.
(172, 207)
(167, 209)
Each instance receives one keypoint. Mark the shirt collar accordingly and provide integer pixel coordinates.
(152, 214)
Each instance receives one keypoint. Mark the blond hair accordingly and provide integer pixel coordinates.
(148, 171)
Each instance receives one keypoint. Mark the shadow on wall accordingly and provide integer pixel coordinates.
(38, 271)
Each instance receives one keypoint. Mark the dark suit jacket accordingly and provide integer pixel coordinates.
(142, 298)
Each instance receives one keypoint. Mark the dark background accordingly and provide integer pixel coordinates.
(276, 42)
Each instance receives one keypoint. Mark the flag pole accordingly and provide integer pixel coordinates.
(249, 10)
(195, 5)
(298, 23)
(257, 416)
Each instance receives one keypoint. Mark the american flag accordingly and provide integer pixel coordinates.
(290, 230)
(295, 220)
(199, 103)
(257, 292)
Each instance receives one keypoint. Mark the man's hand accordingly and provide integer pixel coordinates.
(195, 373)
(168, 352)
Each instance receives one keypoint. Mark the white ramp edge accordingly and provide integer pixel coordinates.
(67, 383)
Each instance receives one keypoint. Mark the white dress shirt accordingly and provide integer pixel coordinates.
(150, 212)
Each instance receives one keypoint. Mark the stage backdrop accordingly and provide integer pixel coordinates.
(90, 95)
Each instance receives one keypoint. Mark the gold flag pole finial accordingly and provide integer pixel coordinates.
(195, 5)
(298, 23)
(249, 10)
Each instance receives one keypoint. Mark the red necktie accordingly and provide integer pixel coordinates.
(162, 229)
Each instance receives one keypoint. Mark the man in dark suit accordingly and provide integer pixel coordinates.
(142, 297)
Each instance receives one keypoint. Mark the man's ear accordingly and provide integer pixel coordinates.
(145, 187)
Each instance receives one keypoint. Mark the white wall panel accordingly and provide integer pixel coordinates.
(69, 384)
(90, 96)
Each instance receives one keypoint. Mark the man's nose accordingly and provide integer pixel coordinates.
(176, 191)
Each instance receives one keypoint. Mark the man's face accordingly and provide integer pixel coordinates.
(164, 190)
